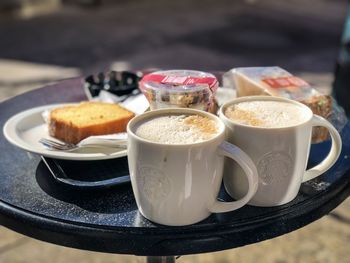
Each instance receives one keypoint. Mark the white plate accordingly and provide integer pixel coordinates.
(26, 128)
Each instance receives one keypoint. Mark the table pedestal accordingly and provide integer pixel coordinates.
(168, 259)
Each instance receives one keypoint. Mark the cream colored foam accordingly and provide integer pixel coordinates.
(267, 114)
(177, 129)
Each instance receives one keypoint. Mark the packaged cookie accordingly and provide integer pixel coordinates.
(275, 81)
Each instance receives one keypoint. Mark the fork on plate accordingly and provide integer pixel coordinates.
(60, 146)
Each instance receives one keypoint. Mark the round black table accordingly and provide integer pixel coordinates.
(33, 204)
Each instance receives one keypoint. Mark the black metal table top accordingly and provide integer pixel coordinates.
(107, 220)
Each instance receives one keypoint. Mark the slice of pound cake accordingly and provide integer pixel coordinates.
(74, 123)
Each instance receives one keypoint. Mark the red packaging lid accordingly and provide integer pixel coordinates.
(180, 80)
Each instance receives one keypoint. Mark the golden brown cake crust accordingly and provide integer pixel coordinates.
(74, 123)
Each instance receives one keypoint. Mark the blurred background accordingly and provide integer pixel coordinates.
(44, 41)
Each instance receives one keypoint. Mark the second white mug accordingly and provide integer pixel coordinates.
(279, 153)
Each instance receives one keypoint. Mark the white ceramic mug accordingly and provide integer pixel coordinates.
(280, 154)
(178, 184)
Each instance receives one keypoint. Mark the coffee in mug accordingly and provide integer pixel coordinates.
(176, 160)
(178, 129)
(276, 133)
(266, 114)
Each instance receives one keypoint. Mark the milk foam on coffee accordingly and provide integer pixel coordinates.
(266, 114)
(177, 129)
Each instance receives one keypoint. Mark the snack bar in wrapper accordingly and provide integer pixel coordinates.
(275, 81)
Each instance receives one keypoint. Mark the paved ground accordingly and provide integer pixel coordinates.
(301, 36)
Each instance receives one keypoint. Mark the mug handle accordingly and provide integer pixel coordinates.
(248, 166)
(333, 154)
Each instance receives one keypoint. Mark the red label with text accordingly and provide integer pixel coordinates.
(180, 80)
(285, 82)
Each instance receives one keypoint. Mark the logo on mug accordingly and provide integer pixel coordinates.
(274, 166)
(155, 184)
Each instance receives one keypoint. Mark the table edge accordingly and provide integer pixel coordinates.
(42, 228)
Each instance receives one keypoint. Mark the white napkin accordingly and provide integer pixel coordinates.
(135, 103)
(111, 140)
